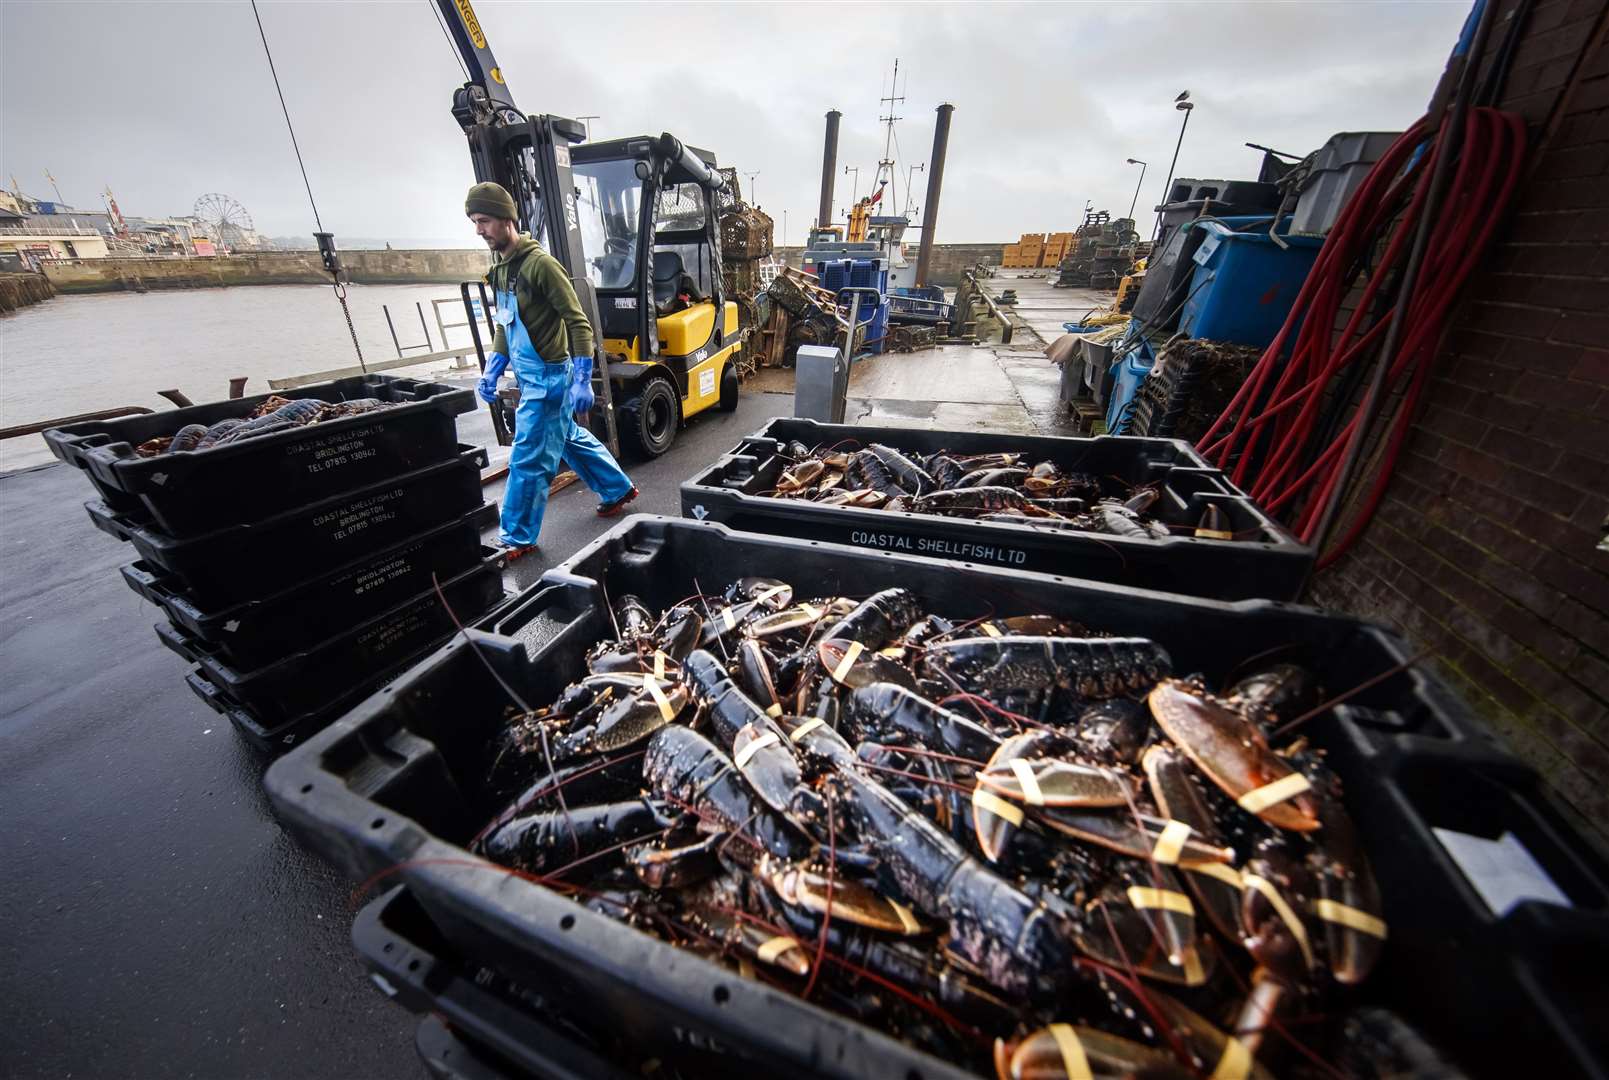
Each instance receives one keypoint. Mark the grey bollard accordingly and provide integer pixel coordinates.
(820, 384)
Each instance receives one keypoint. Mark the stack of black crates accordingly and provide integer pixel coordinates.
(299, 570)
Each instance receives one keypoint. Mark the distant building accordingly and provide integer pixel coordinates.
(35, 237)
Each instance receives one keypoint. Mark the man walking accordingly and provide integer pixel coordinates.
(544, 335)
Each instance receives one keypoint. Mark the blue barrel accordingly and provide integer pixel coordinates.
(1244, 284)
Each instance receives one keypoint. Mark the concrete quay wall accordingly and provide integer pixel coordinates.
(441, 266)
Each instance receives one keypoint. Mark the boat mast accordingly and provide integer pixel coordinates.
(893, 99)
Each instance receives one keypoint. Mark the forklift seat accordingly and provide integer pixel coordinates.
(671, 280)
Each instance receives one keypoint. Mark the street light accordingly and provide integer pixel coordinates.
(1184, 105)
(1136, 200)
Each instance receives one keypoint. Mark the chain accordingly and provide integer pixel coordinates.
(340, 294)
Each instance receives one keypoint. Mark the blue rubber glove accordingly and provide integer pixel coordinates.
(581, 395)
(487, 388)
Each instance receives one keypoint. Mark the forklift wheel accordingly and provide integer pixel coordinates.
(729, 389)
(648, 419)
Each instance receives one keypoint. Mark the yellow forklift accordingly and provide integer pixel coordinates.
(645, 207)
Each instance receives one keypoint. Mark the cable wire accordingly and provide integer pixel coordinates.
(451, 44)
(288, 125)
(340, 289)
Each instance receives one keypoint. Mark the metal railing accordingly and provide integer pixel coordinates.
(48, 230)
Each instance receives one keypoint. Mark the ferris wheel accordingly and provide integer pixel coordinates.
(228, 218)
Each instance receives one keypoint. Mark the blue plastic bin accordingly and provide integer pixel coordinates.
(1127, 374)
(1244, 284)
(836, 274)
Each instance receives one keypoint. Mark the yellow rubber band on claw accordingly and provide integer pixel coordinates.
(906, 918)
(774, 710)
(728, 620)
(851, 654)
(1226, 874)
(1152, 898)
(806, 728)
(1259, 799)
(741, 758)
(1213, 534)
(1031, 793)
(1286, 915)
(893, 652)
(1350, 917)
(994, 804)
(1194, 973)
(811, 611)
(1235, 1064)
(666, 710)
(1170, 843)
(766, 594)
(1075, 1063)
(991, 630)
(659, 664)
(773, 948)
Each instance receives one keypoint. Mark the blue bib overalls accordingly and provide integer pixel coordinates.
(545, 432)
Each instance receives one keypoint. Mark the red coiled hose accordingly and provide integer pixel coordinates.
(1273, 421)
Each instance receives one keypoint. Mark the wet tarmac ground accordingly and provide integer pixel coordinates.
(157, 921)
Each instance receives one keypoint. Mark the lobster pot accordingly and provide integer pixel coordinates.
(1260, 559)
(745, 234)
(398, 785)
(191, 492)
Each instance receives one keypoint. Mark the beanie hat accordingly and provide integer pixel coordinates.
(490, 198)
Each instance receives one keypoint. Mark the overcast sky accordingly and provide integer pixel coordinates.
(165, 102)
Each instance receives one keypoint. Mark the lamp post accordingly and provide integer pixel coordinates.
(854, 192)
(1184, 105)
(751, 176)
(1136, 200)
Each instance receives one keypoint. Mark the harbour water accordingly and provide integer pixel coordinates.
(81, 353)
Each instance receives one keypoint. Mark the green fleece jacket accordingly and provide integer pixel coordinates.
(548, 305)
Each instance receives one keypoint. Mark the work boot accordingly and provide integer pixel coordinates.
(610, 509)
(511, 551)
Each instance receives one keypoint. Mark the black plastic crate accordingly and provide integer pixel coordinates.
(448, 1055)
(238, 563)
(1262, 561)
(501, 1029)
(398, 785)
(304, 682)
(278, 736)
(257, 632)
(192, 492)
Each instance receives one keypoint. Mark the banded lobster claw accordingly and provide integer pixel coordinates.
(807, 888)
(1228, 748)
(1076, 1052)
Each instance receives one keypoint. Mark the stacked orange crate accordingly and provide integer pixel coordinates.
(1056, 247)
(1032, 247)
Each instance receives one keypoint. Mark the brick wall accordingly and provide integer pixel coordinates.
(1486, 549)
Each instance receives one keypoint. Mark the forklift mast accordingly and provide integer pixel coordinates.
(530, 157)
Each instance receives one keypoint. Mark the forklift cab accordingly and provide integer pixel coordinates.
(648, 219)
